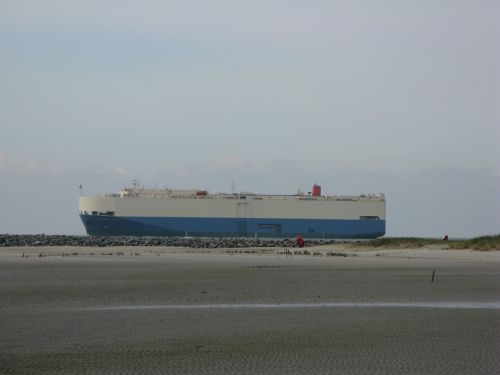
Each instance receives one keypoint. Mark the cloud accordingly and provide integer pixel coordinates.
(115, 171)
(278, 21)
(120, 171)
(55, 169)
(28, 166)
(19, 165)
(232, 161)
(460, 174)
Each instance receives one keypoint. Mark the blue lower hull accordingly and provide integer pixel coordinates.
(231, 227)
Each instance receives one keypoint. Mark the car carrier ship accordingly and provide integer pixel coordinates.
(197, 213)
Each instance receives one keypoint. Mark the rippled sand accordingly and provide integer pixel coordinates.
(179, 311)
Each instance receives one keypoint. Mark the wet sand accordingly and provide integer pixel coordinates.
(183, 311)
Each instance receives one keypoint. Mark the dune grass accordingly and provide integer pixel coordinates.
(483, 243)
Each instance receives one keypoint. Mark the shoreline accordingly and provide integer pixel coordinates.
(324, 254)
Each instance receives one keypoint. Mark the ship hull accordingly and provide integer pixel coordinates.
(231, 227)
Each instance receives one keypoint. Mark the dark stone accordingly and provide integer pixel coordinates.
(105, 241)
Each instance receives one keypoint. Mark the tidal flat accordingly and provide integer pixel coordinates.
(161, 310)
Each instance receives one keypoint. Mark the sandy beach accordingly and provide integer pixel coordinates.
(148, 310)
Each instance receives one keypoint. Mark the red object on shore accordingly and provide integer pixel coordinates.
(316, 190)
(299, 241)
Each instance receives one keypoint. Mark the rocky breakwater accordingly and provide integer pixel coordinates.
(9, 240)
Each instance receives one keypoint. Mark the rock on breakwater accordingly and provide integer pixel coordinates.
(10, 240)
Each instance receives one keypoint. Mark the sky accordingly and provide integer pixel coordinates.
(393, 96)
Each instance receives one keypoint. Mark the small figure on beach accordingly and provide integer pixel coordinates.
(299, 240)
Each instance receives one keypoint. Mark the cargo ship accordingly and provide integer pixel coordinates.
(137, 211)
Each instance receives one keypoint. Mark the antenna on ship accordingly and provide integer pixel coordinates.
(233, 187)
(135, 183)
(80, 189)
